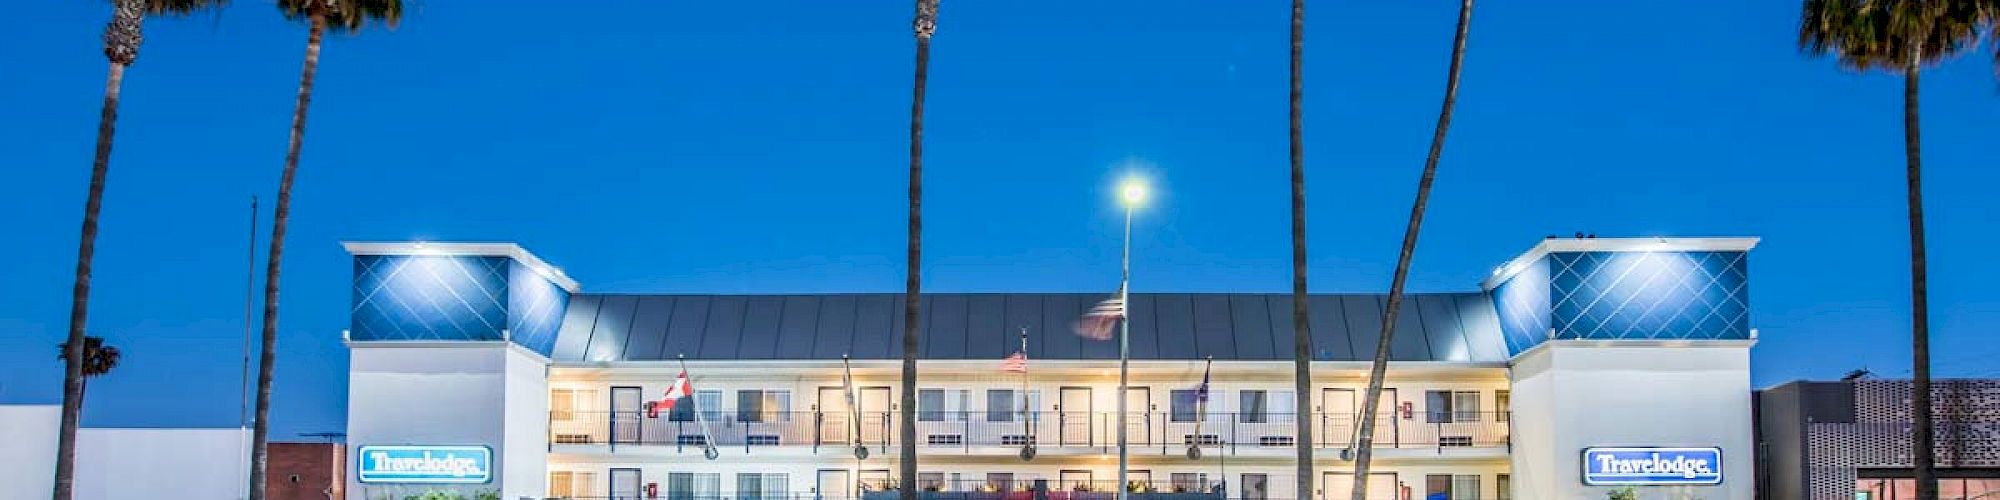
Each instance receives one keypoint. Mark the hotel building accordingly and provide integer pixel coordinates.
(1579, 367)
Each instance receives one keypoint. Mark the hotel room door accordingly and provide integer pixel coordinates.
(836, 423)
(1338, 485)
(1073, 415)
(876, 419)
(833, 484)
(624, 484)
(1340, 416)
(626, 412)
(1138, 417)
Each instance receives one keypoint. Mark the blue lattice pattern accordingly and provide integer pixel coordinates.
(1650, 295)
(1522, 303)
(403, 297)
(535, 308)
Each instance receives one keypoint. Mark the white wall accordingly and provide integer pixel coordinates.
(1574, 394)
(117, 464)
(525, 460)
(458, 393)
(28, 450)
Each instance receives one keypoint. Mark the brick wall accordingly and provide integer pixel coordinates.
(306, 471)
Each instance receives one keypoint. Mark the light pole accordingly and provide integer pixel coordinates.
(1131, 193)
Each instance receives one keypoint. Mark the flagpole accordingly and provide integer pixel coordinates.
(853, 409)
(1027, 415)
(707, 439)
(1201, 412)
(1124, 353)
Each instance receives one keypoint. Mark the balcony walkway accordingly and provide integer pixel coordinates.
(1005, 433)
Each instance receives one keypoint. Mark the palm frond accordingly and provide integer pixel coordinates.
(181, 7)
(1887, 34)
(344, 16)
(98, 357)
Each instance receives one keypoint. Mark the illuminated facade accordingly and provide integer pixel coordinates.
(484, 347)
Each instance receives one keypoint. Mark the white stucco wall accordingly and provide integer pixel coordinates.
(28, 450)
(457, 393)
(525, 461)
(116, 464)
(1572, 394)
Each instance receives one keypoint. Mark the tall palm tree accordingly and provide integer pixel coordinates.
(341, 16)
(121, 47)
(924, 25)
(1301, 330)
(1902, 37)
(1380, 367)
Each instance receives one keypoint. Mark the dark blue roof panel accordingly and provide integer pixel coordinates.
(1454, 327)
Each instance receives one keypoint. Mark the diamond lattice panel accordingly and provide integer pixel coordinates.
(399, 297)
(1650, 295)
(535, 309)
(1523, 306)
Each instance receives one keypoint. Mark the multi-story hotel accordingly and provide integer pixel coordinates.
(1580, 367)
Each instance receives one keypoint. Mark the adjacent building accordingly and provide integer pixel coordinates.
(1851, 439)
(1580, 367)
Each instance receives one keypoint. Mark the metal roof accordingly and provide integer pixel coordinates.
(1453, 327)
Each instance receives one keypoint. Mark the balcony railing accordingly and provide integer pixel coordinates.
(988, 432)
(1045, 489)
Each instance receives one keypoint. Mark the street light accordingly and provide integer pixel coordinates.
(1132, 192)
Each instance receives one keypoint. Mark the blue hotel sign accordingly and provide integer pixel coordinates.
(1637, 466)
(425, 464)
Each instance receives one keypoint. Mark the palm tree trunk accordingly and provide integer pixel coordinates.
(1380, 367)
(266, 364)
(121, 46)
(72, 403)
(1301, 329)
(1920, 342)
(924, 25)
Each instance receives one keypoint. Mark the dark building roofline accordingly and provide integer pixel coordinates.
(1452, 327)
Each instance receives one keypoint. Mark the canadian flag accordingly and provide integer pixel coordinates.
(680, 389)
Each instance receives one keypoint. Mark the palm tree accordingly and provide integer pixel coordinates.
(121, 47)
(1380, 367)
(1902, 37)
(1301, 330)
(924, 25)
(98, 358)
(341, 16)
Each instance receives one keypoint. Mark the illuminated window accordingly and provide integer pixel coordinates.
(763, 405)
(568, 484)
(693, 486)
(1451, 406)
(1451, 487)
(760, 486)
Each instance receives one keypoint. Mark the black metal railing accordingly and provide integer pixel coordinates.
(1197, 488)
(1166, 432)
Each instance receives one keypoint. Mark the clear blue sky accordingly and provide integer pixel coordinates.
(759, 147)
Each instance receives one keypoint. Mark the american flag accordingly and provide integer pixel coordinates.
(1096, 324)
(1017, 363)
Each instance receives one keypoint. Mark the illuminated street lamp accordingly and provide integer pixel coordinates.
(1131, 193)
